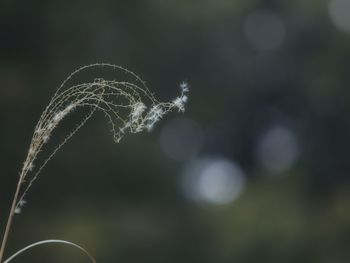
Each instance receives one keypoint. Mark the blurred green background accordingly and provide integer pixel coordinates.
(256, 170)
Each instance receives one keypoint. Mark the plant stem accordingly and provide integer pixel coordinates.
(10, 218)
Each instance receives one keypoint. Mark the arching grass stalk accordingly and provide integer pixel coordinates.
(128, 106)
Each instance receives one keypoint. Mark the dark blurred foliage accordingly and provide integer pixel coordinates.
(269, 101)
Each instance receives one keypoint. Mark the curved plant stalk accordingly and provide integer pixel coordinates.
(44, 242)
(129, 107)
